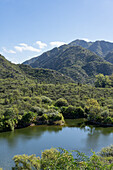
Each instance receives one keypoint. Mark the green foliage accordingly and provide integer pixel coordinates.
(28, 117)
(51, 117)
(72, 112)
(26, 162)
(107, 151)
(61, 102)
(72, 100)
(102, 81)
(46, 99)
(62, 159)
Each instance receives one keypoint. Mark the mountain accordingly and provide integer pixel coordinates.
(20, 72)
(47, 55)
(109, 57)
(74, 61)
(101, 48)
(81, 43)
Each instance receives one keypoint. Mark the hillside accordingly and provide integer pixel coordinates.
(46, 55)
(101, 48)
(45, 75)
(109, 57)
(74, 61)
(9, 70)
(22, 72)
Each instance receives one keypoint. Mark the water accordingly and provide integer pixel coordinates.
(33, 140)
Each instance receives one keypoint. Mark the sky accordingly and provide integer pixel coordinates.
(30, 27)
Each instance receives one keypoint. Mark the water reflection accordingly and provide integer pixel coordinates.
(27, 134)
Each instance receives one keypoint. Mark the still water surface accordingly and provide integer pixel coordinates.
(33, 140)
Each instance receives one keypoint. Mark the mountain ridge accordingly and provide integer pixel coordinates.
(74, 61)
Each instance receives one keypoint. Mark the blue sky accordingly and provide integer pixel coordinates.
(30, 27)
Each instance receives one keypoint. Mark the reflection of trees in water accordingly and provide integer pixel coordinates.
(97, 135)
(27, 133)
(92, 131)
(94, 135)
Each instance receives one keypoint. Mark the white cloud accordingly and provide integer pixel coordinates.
(86, 39)
(56, 43)
(25, 47)
(8, 51)
(41, 44)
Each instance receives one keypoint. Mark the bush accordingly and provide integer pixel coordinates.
(46, 99)
(51, 117)
(71, 112)
(80, 112)
(28, 117)
(61, 102)
(107, 151)
(38, 110)
(108, 120)
(105, 113)
(37, 99)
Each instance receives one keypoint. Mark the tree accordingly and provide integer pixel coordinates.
(61, 102)
(102, 81)
(92, 108)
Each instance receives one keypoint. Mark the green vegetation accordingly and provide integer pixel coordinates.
(23, 103)
(63, 159)
(104, 81)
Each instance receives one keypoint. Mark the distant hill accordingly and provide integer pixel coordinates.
(101, 48)
(74, 61)
(20, 72)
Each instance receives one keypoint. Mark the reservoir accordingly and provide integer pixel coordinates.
(33, 140)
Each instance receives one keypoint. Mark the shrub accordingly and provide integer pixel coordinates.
(37, 99)
(107, 151)
(71, 112)
(28, 117)
(38, 110)
(46, 99)
(61, 102)
(105, 113)
(80, 112)
(27, 99)
(108, 120)
(44, 117)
